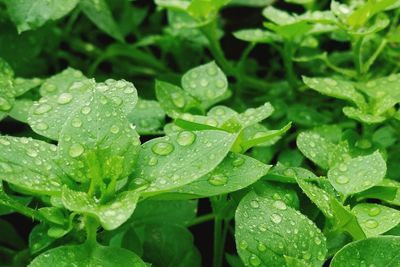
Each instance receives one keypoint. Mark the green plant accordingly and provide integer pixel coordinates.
(288, 142)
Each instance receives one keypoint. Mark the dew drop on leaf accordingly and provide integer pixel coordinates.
(261, 247)
(276, 218)
(254, 204)
(371, 223)
(4, 104)
(76, 150)
(42, 126)
(254, 260)
(243, 244)
(178, 99)
(86, 110)
(374, 211)
(32, 153)
(114, 129)
(342, 179)
(162, 148)
(218, 179)
(280, 205)
(185, 138)
(76, 122)
(238, 162)
(64, 98)
(152, 161)
(41, 109)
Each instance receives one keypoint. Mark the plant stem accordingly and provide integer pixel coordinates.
(218, 243)
(201, 219)
(287, 54)
(374, 56)
(91, 230)
(358, 61)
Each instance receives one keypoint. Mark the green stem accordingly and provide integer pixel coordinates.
(287, 55)
(358, 60)
(91, 230)
(374, 56)
(201, 219)
(218, 243)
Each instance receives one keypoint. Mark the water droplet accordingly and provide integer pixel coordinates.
(289, 173)
(374, 211)
(243, 244)
(32, 153)
(254, 260)
(4, 142)
(307, 255)
(76, 122)
(162, 148)
(220, 83)
(114, 129)
(254, 204)
(280, 205)
(212, 71)
(129, 90)
(5, 167)
(342, 179)
(76, 150)
(41, 126)
(152, 161)
(203, 82)
(262, 227)
(238, 162)
(343, 167)
(86, 110)
(276, 218)
(317, 240)
(4, 104)
(261, 247)
(41, 109)
(218, 179)
(64, 98)
(185, 138)
(118, 101)
(371, 223)
(178, 100)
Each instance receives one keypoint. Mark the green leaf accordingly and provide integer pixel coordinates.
(30, 15)
(39, 239)
(173, 99)
(267, 230)
(21, 85)
(205, 10)
(207, 83)
(111, 214)
(97, 142)
(170, 245)
(316, 148)
(6, 90)
(99, 13)
(336, 88)
(61, 82)
(175, 212)
(254, 115)
(277, 16)
(21, 109)
(332, 209)
(257, 36)
(235, 172)
(49, 114)
(376, 219)
(169, 162)
(358, 174)
(378, 251)
(86, 255)
(29, 164)
(148, 116)
(396, 184)
(361, 116)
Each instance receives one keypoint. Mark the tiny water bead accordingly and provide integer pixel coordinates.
(42, 126)
(261, 247)
(4, 104)
(276, 218)
(254, 260)
(243, 245)
(178, 100)
(185, 138)
(42, 109)
(238, 162)
(114, 129)
(218, 179)
(371, 223)
(64, 98)
(254, 204)
(280, 205)
(76, 150)
(374, 211)
(162, 148)
(342, 179)
(86, 110)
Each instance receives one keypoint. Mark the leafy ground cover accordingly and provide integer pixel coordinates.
(199, 133)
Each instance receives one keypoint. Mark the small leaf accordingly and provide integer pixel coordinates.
(97, 141)
(376, 219)
(254, 115)
(86, 255)
(169, 162)
(99, 13)
(148, 116)
(358, 174)
(336, 88)
(378, 251)
(29, 164)
(316, 148)
(111, 214)
(278, 16)
(361, 116)
(61, 82)
(170, 245)
(233, 173)
(21, 85)
(257, 36)
(206, 83)
(30, 15)
(268, 230)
